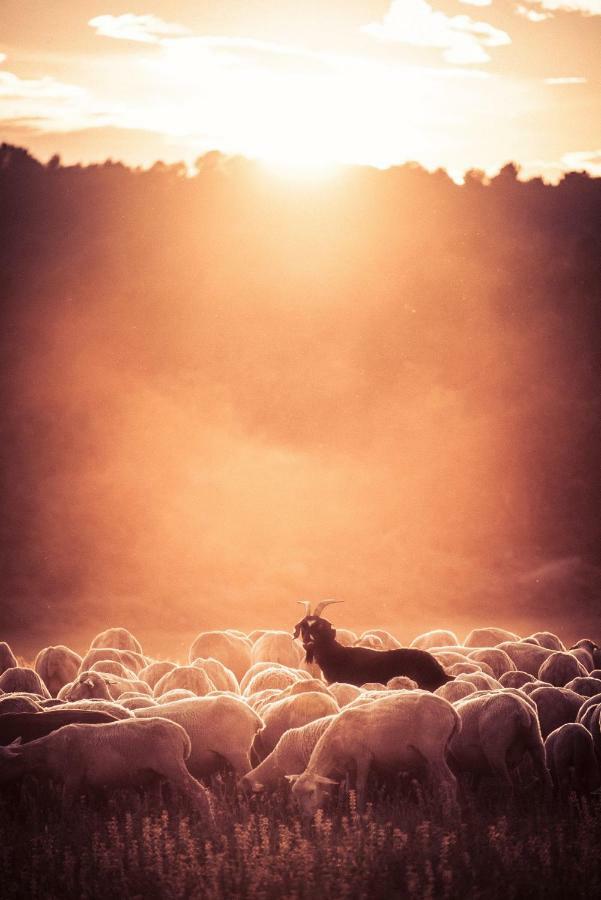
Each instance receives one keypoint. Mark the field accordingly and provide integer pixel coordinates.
(404, 844)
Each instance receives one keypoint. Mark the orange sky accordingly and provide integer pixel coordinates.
(453, 83)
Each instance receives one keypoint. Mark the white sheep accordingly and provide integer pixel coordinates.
(222, 677)
(571, 759)
(20, 679)
(402, 683)
(115, 754)
(498, 728)
(233, 651)
(346, 637)
(104, 687)
(438, 638)
(556, 706)
(489, 637)
(402, 731)
(389, 641)
(526, 657)
(481, 681)
(118, 638)
(8, 659)
(221, 729)
(155, 670)
(586, 687)
(496, 659)
(128, 658)
(371, 641)
(290, 712)
(276, 677)
(584, 657)
(277, 646)
(98, 705)
(189, 678)
(290, 755)
(13, 703)
(344, 694)
(175, 694)
(56, 666)
(455, 690)
(548, 639)
(559, 668)
(111, 667)
(516, 679)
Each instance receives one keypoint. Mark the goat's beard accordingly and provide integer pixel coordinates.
(309, 652)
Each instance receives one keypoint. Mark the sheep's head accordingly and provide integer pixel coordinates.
(310, 790)
(313, 629)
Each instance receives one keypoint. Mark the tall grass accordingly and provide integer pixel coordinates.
(404, 844)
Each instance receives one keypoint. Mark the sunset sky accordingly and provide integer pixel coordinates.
(453, 83)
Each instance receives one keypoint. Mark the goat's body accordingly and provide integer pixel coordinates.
(360, 665)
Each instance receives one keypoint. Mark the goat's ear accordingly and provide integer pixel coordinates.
(323, 780)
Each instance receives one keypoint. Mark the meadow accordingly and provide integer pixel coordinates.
(404, 844)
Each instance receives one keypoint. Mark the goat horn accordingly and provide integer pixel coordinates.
(321, 606)
(307, 606)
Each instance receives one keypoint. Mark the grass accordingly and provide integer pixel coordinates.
(404, 844)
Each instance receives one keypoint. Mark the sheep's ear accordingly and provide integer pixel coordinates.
(89, 681)
(291, 778)
(13, 748)
(323, 780)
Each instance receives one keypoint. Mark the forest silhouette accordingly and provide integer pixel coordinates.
(226, 391)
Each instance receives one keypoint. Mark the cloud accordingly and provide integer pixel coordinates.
(586, 7)
(476, 2)
(145, 29)
(532, 15)
(461, 38)
(583, 161)
(562, 79)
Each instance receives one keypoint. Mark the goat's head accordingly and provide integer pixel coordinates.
(313, 629)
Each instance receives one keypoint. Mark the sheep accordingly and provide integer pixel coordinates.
(359, 665)
(15, 703)
(586, 687)
(559, 668)
(275, 677)
(370, 642)
(31, 725)
(481, 681)
(23, 680)
(498, 728)
(233, 651)
(290, 712)
(132, 703)
(526, 657)
(154, 671)
(110, 667)
(438, 638)
(56, 666)
(402, 683)
(189, 678)
(291, 754)
(99, 705)
(222, 677)
(113, 754)
(389, 642)
(497, 660)
(556, 706)
(548, 639)
(402, 731)
(592, 648)
(489, 637)
(591, 701)
(254, 636)
(346, 637)
(516, 679)
(571, 759)
(278, 647)
(221, 730)
(465, 668)
(455, 690)
(262, 698)
(8, 659)
(175, 694)
(584, 657)
(531, 686)
(118, 638)
(104, 687)
(344, 693)
(448, 658)
(128, 658)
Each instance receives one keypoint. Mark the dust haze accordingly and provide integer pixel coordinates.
(227, 392)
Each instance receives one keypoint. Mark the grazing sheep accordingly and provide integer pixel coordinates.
(571, 759)
(290, 712)
(57, 666)
(489, 637)
(344, 694)
(586, 687)
(115, 754)
(359, 665)
(189, 678)
(516, 679)
(127, 658)
(19, 679)
(438, 638)
(8, 660)
(104, 687)
(548, 639)
(154, 671)
(118, 638)
(526, 657)
(16, 703)
(290, 755)
(497, 729)
(276, 647)
(32, 725)
(497, 660)
(559, 668)
(403, 731)
(556, 706)
(222, 677)
(455, 690)
(233, 651)
(221, 730)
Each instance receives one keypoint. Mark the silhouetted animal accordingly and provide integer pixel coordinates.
(32, 725)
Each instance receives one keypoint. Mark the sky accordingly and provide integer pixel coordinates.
(457, 84)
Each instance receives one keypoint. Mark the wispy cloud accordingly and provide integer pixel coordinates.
(146, 29)
(586, 7)
(532, 14)
(461, 38)
(565, 79)
(583, 161)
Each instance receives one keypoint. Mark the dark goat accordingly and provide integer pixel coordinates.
(359, 665)
(30, 726)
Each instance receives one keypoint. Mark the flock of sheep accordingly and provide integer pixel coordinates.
(258, 704)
